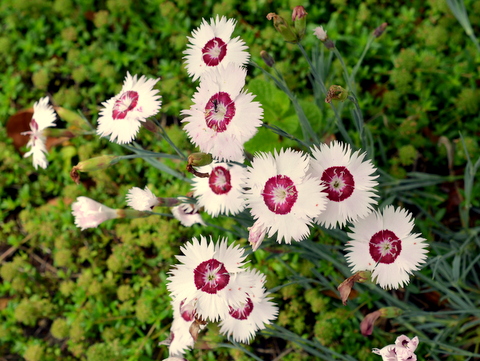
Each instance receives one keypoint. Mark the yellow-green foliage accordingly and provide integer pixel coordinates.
(59, 328)
(34, 353)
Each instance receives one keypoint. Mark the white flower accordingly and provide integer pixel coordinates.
(121, 116)
(349, 182)
(320, 33)
(89, 213)
(253, 314)
(223, 116)
(403, 350)
(221, 192)
(43, 117)
(211, 45)
(187, 214)
(207, 274)
(281, 195)
(383, 244)
(184, 315)
(141, 200)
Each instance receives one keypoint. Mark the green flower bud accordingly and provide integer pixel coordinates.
(299, 19)
(390, 312)
(283, 28)
(92, 164)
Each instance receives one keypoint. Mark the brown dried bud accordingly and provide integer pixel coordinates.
(346, 286)
(336, 92)
(267, 58)
(379, 31)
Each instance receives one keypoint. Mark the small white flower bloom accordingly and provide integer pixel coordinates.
(121, 115)
(223, 116)
(183, 318)
(211, 45)
(221, 192)
(320, 33)
(89, 213)
(43, 117)
(207, 274)
(281, 195)
(187, 214)
(403, 350)
(349, 182)
(141, 200)
(253, 314)
(383, 244)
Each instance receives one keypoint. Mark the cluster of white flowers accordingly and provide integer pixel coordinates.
(286, 192)
(210, 285)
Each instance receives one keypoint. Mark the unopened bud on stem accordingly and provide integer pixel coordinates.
(283, 28)
(92, 164)
(198, 160)
(299, 19)
(267, 58)
(336, 92)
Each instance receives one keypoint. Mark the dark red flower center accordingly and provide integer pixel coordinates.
(220, 180)
(211, 276)
(219, 111)
(339, 182)
(242, 312)
(214, 51)
(126, 102)
(280, 194)
(385, 247)
(188, 311)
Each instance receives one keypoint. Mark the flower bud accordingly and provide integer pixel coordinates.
(336, 92)
(283, 28)
(346, 286)
(256, 235)
(299, 19)
(75, 120)
(267, 58)
(379, 31)
(198, 160)
(390, 312)
(92, 164)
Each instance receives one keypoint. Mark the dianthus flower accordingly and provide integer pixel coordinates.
(212, 45)
(43, 117)
(122, 115)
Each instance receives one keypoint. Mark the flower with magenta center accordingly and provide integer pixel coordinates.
(281, 196)
(383, 244)
(208, 274)
(349, 183)
(223, 116)
(122, 115)
(221, 192)
(212, 45)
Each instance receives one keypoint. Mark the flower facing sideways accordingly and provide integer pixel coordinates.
(221, 192)
(43, 117)
(349, 182)
(223, 116)
(281, 196)
(212, 45)
(121, 115)
(187, 214)
(89, 213)
(253, 314)
(403, 350)
(383, 244)
(141, 200)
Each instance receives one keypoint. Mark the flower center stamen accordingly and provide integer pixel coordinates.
(242, 312)
(214, 51)
(124, 104)
(385, 247)
(219, 111)
(280, 194)
(220, 180)
(339, 182)
(211, 276)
